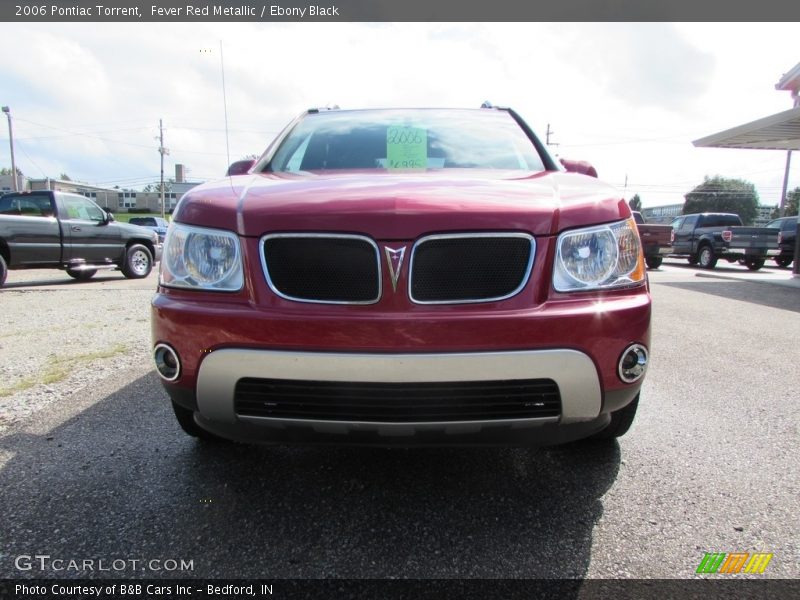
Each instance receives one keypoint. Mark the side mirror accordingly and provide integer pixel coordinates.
(578, 166)
(240, 167)
(109, 215)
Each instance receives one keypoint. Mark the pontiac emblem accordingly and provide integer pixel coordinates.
(394, 258)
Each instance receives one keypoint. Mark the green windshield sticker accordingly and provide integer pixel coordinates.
(406, 148)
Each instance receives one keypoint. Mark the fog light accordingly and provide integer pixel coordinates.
(168, 364)
(633, 363)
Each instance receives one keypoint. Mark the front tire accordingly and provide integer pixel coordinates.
(621, 421)
(138, 262)
(654, 262)
(783, 261)
(78, 275)
(706, 258)
(3, 270)
(185, 418)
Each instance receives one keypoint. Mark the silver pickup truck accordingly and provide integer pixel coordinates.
(59, 230)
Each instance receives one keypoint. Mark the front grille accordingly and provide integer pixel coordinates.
(326, 268)
(460, 268)
(397, 402)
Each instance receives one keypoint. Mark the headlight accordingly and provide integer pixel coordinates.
(604, 256)
(200, 258)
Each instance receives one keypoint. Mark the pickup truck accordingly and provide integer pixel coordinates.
(59, 230)
(656, 240)
(706, 237)
(787, 228)
(156, 224)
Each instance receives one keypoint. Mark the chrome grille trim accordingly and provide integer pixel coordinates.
(277, 292)
(428, 238)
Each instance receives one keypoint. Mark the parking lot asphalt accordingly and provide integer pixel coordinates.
(712, 464)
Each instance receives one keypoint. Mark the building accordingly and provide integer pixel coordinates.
(114, 199)
(662, 214)
(764, 214)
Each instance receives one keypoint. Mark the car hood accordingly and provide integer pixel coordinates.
(135, 229)
(403, 205)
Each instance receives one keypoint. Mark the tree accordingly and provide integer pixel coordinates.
(635, 203)
(720, 194)
(792, 202)
(7, 171)
(156, 187)
(64, 177)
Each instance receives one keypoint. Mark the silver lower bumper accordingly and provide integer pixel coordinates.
(573, 371)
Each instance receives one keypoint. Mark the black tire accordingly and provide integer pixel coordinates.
(3, 270)
(138, 262)
(783, 261)
(81, 275)
(754, 264)
(654, 262)
(706, 258)
(621, 421)
(185, 418)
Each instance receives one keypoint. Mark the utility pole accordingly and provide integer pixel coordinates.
(549, 133)
(162, 151)
(7, 110)
(785, 182)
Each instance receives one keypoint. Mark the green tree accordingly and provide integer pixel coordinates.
(7, 171)
(720, 194)
(64, 177)
(792, 202)
(635, 203)
(156, 187)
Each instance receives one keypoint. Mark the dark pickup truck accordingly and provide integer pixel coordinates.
(706, 237)
(787, 234)
(59, 230)
(656, 240)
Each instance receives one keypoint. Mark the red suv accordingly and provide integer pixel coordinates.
(403, 277)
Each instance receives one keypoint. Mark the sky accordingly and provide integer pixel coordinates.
(86, 99)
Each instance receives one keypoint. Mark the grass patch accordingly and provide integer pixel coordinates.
(125, 217)
(59, 369)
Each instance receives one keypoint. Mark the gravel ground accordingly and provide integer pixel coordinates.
(58, 336)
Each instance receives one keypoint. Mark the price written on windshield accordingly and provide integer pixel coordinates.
(406, 148)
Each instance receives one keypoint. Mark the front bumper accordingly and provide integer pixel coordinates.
(574, 373)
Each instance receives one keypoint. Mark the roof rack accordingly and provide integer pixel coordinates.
(320, 108)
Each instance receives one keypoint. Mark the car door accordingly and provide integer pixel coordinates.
(684, 235)
(33, 233)
(89, 236)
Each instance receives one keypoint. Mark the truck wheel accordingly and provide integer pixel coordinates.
(692, 260)
(754, 264)
(185, 419)
(654, 262)
(81, 275)
(3, 270)
(783, 261)
(138, 262)
(706, 258)
(621, 421)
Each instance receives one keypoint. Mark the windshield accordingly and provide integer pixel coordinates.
(407, 139)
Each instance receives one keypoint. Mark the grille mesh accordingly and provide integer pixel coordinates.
(397, 402)
(469, 269)
(323, 269)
